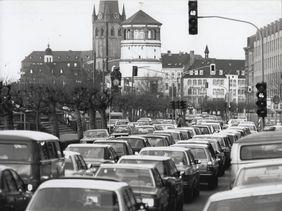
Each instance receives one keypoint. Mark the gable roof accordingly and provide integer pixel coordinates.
(141, 17)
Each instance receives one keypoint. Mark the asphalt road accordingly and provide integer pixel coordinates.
(198, 204)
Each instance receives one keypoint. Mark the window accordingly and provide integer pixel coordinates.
(102, 32)
(243, 72)
(194, 82)
(220, 72)
(196, 72)
(119, 32)
(75, 64)
(112, 31)
(68, 64)
(212, 69)
(189, 82)
(149, 34)
(97, 32)
(31, 71)
(200, 82)
(201, 72)
(61, 71)
(191, 72)
(166, 86)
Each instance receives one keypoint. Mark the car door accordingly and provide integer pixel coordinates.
(23, 197)
(11, 192)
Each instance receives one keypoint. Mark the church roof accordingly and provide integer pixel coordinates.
(141, 17)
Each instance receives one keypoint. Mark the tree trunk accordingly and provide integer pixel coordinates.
(103, 118)
(92, 115)
(79, 124)
(54, 119)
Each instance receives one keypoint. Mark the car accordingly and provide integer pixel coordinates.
(74, 164)
(209, 166)
(144, 129)
(176, 134)
(14, 194)
(254, 148)
(256, 174)
(121, 147)
(89, 136)
(36, 156)
(160, 126)
(203, 128)
(94, 154)
(167, 170)
(255, 198)
(136, 142)
(214, 148)
(145, 180)
(169, 136)
(121, 130)
(184, 162)
(84, 193)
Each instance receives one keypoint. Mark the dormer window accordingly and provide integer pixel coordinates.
(196, 72)
(201, 72)
(191, 72)
(220, 72)
(212, 69)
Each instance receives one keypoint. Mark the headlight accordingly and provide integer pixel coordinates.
(148, 201)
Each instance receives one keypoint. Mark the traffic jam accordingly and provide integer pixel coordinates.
(151, 164)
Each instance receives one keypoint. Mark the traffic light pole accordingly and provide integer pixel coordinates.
(261, 40)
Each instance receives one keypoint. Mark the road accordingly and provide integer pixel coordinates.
(198, 204)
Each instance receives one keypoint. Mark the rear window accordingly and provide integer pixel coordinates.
(15, 152)
(154, 141)
(259, 151)
(89, 153)
(199, 154)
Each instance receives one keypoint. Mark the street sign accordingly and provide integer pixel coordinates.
(276, 99)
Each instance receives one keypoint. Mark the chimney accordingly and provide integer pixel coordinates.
(192, 58)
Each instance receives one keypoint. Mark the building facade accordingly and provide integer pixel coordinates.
(141, 47)
(209, 78)
(272, 54)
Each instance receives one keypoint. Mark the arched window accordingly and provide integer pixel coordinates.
(135, 35)
(128, 34)
(102, 32)
(124, 35)
(96, 32)
(112, 31)
(139, 34)
(149, 34)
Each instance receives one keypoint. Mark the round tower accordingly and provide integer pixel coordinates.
(141, 48)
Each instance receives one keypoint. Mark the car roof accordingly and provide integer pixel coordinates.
(111, 141)
(88, 145)
(83, 183)
(165, 148)
(145, 157)
(204, 145)
(131, 136)
(261, 137)
(245, 192)
(127, 165)
(26, 135)
(192, 141)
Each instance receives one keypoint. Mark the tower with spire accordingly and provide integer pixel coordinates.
(207, 52)
(107, 32)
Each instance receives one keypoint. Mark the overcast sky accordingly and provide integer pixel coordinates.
(27, 26)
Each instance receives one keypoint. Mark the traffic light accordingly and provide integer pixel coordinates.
(134, 70)
(172, 105)
(193, 16)
(183, 104)
(261, 99)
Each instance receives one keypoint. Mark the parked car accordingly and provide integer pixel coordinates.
(94, 154)
(256, 174)
(254, 148)
(167, 170)
(36, 156)
(184, 162)
(121, 147)
(136, 142)
(145, 180)
(84, 194)
(14, 194)
(208, 167)
(89, 136)
(74, 164)
(255, 198)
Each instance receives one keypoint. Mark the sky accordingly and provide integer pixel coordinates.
(29, 25)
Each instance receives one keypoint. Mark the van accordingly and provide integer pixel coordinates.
(256, 147)
(36, 156)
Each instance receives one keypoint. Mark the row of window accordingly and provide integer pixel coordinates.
(140, 34)
(196, 82)
(59, 57)
(102, 32)
(31, 71)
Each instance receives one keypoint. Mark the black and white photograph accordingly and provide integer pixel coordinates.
(140, 105)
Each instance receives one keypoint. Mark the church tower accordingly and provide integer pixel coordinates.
(107, 33)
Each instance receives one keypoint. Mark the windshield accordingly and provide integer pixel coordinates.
(262, 151)
(159, 164)
(118, 147)
(89, 153)
(16, 152)
(271, 202)
(177, 156)
(259, 175)
(155, 141)
(199, 154)
(135, 143)
(98, 133)
(134, 177)
(74, 199)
